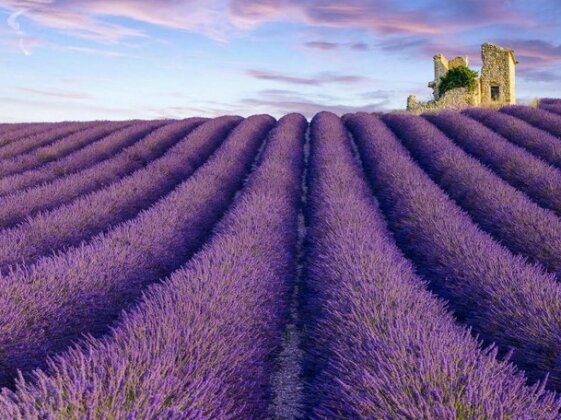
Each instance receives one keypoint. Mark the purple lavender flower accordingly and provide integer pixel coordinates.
(201, 344)
(539, 142)
(60, 143)
(538, 179)
(503, 298)
(384, 346)
(540, 118)
(18, 206)
(85, 288)
(82, 159)
(496, 206)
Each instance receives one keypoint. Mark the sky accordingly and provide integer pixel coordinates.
(124, 59)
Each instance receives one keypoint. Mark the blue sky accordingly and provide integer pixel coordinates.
(96, 59)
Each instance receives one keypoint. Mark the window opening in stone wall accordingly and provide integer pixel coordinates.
(495, 93)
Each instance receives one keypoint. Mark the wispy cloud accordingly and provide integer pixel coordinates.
(330, 46)
(56, 93)
(24, 42)
(86, 18)
(70, 17)
(217, 18)
(380, 95)
(322, 45)
(400, 27)
(359, 46)
(534, 51)
(92, 51)
(317, 80)
(383, 16)
(545, 76)
(278, 77)
(13, 21)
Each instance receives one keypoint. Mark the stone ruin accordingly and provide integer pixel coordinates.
(495, 87)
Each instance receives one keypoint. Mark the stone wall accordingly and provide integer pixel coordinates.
(457, 98)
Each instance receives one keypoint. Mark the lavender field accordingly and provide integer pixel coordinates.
(367, 266)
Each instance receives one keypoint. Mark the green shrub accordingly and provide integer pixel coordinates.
(460, 76)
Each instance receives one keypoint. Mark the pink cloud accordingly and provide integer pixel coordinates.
(67, 17)
(218, 18)
(382, 16)
(317, 80)
(534, 51)
(330, 13)
(84, 18)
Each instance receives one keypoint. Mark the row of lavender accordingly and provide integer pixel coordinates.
(498, 207)
(81, 159)
(209, 332)
(531, 399)
(383, 346)
(68, 224)
(19, 205)
(551, 105)
(46, 306)
(26, 138)
(499, 294)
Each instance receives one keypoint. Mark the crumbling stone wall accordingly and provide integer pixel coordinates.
(457, 98)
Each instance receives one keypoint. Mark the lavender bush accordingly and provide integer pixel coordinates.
(502, 297)
(17, 131)
(30, 138)
(520, 168)
(499, 208)
(539, 142)
(201, 344)
(18, 206)
(81, 159)
(550, 104)
(8, 127)
(537, 117)
(549, 101)
(387, 347)
(79, 220)
(44, 308)
(553, 108)
(58, 149)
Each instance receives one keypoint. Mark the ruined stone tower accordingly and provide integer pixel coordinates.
(497, 75)
(495, 87)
